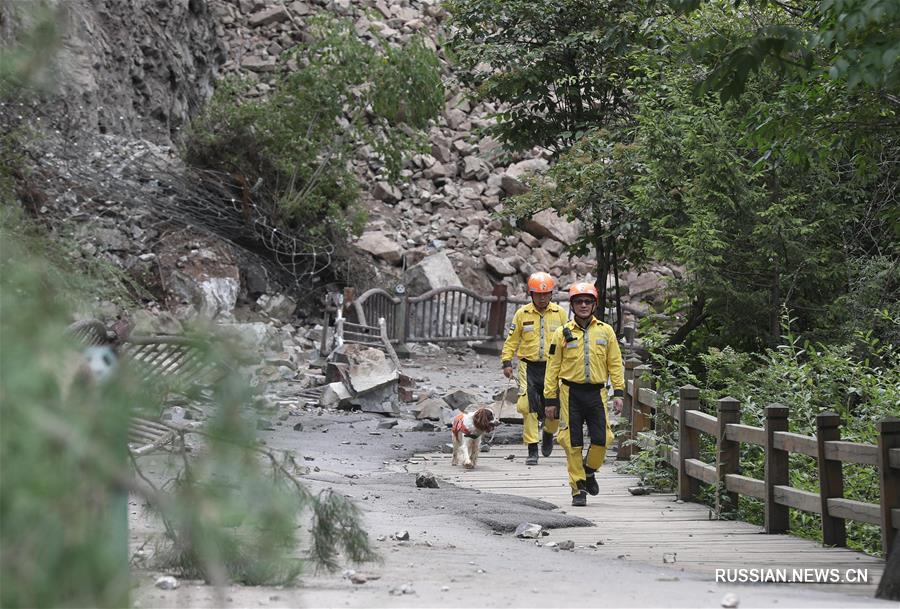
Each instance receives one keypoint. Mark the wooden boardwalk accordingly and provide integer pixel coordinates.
(654, 528)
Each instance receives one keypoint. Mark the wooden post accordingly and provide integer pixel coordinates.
(638, 418)
(831, 479)
(888, 438)
(728, 454)
(497, 315)
(624, 452)
(688, 442)
(777, 516)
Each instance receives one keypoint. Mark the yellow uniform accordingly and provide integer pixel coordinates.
(529, 337)
(579, 364)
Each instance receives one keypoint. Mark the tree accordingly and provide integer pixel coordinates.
(592, 182)
(556, 68)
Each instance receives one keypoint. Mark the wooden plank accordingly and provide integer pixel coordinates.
(744, 485)
(851, 452)
(700, 470)
(672, 457)
(795, 443)
(795, 498)
(647, 397)
(855, 510)
(745, 433)
(702, 421)
(895, 518)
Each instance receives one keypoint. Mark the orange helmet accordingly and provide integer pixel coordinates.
(541, 282)
(583, 289)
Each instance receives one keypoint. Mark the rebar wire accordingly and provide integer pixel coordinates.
(96, 174)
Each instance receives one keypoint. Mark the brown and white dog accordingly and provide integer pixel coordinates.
(468, 427)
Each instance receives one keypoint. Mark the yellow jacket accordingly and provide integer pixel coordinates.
(531, 331)
(584, 361)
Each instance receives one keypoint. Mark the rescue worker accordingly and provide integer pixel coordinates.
(582, 355)
(529, 337)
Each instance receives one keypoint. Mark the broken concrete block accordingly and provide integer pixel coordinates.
(335, 395)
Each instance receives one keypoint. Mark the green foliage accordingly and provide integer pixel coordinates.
(559, 67)
(854, 42)
(294, 146)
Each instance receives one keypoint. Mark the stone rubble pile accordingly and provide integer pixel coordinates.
(440, 225)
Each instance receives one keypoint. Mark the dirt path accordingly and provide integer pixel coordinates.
(460, 552)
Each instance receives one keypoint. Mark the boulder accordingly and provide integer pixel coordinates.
(513, 179)
(548, 223)
(435, 271)
(499, 265)
(381, 246)
(368, 368)
(386, 192)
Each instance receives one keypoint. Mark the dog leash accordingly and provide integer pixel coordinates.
(502, 401)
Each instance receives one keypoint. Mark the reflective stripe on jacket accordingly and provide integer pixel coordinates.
(531, 332)
(591, 357)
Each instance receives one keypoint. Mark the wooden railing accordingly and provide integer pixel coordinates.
(687, 422)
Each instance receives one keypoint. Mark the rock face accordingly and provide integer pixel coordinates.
(138, 68)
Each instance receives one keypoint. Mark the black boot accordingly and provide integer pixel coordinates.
(579, 499)
(532, 458)
(590, 483)
(547, 444)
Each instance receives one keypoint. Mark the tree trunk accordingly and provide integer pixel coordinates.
(696, 316)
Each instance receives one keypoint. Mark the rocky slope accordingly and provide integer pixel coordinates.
(114, 194)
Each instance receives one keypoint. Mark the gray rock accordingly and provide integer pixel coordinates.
(475, 168)
(279, 306)
(499, 265)
(435, 271)
(401, 535)
(460, 399)
(426, 480)
(380, 246)
(386, 192)
(166, 582)
(547, 223)
(527, 530)
(441, 153)
(431, 408)
(255, 63)
(334, 395)
(567, 545)
(387, 424)
(275, 14)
